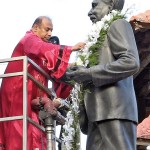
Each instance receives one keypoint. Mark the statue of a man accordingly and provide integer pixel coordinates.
(110, 105)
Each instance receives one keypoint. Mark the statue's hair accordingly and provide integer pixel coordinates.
(118, 4)
(38, 20)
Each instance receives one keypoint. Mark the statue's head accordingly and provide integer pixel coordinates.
(100, 8)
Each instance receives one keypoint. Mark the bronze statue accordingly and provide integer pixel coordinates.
(110, 105)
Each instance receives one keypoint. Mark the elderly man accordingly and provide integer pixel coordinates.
(110, 105)
(54, 60)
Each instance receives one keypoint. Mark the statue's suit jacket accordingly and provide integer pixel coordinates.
(112, 94)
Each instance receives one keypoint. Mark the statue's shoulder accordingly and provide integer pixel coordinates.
(119, 22)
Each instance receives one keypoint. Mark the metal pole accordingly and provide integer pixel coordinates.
(25, 103)
(50, 124)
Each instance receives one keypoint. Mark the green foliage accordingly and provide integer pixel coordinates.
(75, 143)
(82, 58)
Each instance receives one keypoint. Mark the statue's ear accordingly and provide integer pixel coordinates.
(112, 4)
(118, 4)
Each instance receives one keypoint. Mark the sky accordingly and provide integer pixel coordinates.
(70, 21)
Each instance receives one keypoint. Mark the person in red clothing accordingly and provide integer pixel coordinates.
(50, 57)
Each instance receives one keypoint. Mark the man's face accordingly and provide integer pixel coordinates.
(44, 31)
(99, 9)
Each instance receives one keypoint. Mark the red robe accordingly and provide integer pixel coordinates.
(11, 92)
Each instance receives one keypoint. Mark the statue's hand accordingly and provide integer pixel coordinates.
(65, 79)
(79, 74)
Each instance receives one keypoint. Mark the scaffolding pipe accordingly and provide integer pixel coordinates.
(49, 121)
(50, 133)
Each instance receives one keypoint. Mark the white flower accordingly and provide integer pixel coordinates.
(114, 12)
(106, 18)
(100, 25)
(79, 62)
(106, 27)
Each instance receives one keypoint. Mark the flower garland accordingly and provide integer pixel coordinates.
(71, 133)
(87, 57)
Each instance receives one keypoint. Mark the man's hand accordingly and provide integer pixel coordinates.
(79, 74)
(47, 104)
(57, 102)
(78, 46)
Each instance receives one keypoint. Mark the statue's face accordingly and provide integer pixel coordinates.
(99, 9)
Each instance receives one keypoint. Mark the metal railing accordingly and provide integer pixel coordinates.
(51, 137)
